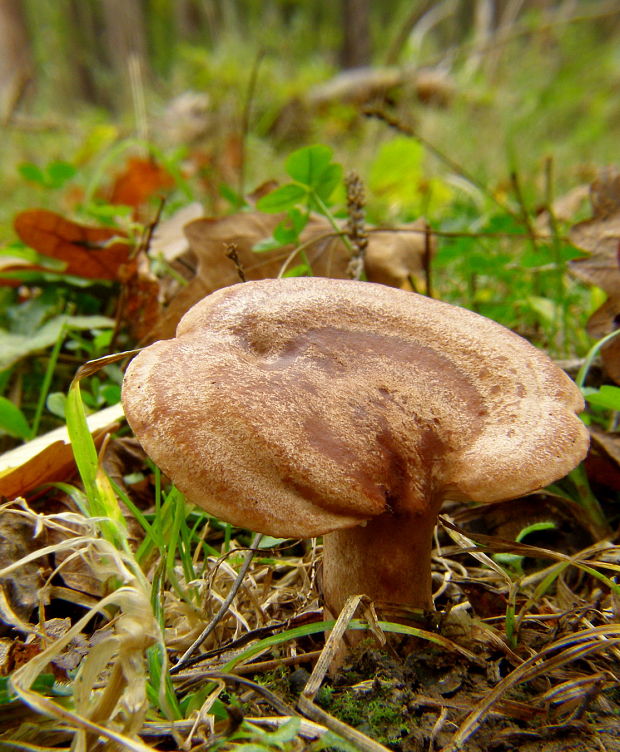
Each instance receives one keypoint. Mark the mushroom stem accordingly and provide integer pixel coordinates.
(387, 559)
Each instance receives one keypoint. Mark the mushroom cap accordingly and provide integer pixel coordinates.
(298, 406)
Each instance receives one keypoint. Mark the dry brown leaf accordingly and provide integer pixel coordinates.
(392, 257)
(169, 240)
(91, 252)
(600, 237)
(139, 305)
(20, 587)
(140, 180)
(603, 464)
(564, 209)
(48, 458)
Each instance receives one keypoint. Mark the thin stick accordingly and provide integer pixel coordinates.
(182, 662)
(306, 699)
(245, 118)
(231, 253)
(427, 259)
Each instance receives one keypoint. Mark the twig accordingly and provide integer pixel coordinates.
(182, 662)
(231, 253)
(271, 697)
(306, 700)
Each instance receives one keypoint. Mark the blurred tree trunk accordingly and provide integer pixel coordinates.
(84, 50)
(356, 45)
(15, 57)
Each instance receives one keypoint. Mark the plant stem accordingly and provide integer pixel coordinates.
(586, 499)
(47, 380)
(332, 221)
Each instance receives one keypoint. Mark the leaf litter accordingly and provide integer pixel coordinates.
(521, 652)
(467, 687)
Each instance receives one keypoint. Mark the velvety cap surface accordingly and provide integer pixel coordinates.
(298, 406)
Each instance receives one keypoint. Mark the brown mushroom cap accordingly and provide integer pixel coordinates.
(299, 406)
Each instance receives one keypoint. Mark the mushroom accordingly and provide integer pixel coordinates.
(304, 407)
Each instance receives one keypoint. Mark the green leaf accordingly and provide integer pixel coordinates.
(60, 173)
(283, 198)
(56, 403)
(286, 733)
(535, 527)
(267, 244)
(83, 446)
(12, 420)
(235, 199)
(308, 164)
(13, 347)
(268, 541)
(32, 172)
(45, 684)
(301, 270)
(547, 309)
(101, 501)
(111, 393)
(396, 167)
(328, 180)
(289, 229)
(607, 396)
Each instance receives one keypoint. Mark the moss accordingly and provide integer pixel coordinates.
(374, 713)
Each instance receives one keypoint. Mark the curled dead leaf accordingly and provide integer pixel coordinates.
(600, 237)
(49, 457)
(393, 257)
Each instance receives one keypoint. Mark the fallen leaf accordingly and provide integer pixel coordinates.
(600, 237)
(564, 209)
(392, 257)
(139, 305)
(138, 183)
(18, 654)
(90, 252)
(603, 461)
(49, 458)
(485, 600)
(20, 587)
(169, 240)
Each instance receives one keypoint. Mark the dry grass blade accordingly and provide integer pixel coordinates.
(183, 661)
(94, 366)
(500, 545)
(571, 648)
(465, 542)
(199, 677)
(113, 709)
(307, 729)
(306, 700)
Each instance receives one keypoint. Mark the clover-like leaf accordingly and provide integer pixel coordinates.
(282, 199)
(307, 165)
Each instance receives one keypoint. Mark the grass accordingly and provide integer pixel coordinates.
(130, 574)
